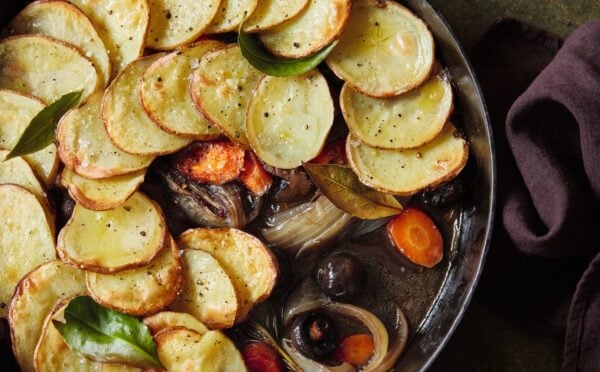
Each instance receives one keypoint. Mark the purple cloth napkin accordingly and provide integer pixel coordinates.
(544, 101)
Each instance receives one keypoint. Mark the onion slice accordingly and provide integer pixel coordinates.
(397, 347)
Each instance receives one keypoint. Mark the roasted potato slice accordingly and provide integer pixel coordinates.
(407, 121)
(165, 93)
(288, 119)
(252, 267)
(317, 26)
(181, 349)
(125, 120)
(105, 367)
(64, 69)
(208, 292)
(63, 21)
(35, 297)
(142, 291)
(221, 89)
(177, 22)
(271, 13)
(172, 319)
(231, 13)
(26, 236)
(53, 354)
(17, 171)
(84, 145)
(376, 38)
(122, 26)
(111, 241)
(16, 112)
(103, 194)
(410, 171)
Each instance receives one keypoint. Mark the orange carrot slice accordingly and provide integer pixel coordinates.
(356, 349)
(254, 176)
(214, 163)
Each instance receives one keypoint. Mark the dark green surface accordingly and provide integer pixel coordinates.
(489, 339)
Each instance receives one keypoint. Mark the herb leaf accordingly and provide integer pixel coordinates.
(107, 336)
(256, 54)
(39, 134)
(343, 188)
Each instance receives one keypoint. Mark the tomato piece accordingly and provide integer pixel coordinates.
(333, 153)
(214, 163)
(356, 349)
(417, 237)
(254, 176)
(261, 357)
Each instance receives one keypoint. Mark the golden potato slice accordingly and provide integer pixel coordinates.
(208, 292)
(270, 13)
(142, 291)
(84, 145)
(16, 112)
(17, 171)
(231, 13)
(407, 121)
(410, 171)
(105, 367)
(53, 354)
(45, 68)
(288, 119)
(252, 267)
(103, 194)
(317, 26)
(221, 89)
(35, 297)
(174, 23)
(26, 238)
(111, 241)
(165, 93)
(63, 21)
(172, 319)
(128, 126)
(183, 350)
(377, 38)
(122, 26)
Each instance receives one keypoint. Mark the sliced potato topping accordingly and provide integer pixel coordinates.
(53, 354)
(271, 13)
(18, 172)
(407, 121)
(34, 298)
(122, 25)
(177, 22)
(164, 89)
(142, 291)
(208, 292)
(105, 367)
(16, 112)
(409, 171)
(317, 26)
(172, 319)
(251, 266)
(222, 88)
(384, 50)
(84, 145)
(102, 194)
(125, 120)
(26, 236)
(64, 68)
(63, 21)
(111, 241)
(181, 349)
(231, 13)
(288, 119)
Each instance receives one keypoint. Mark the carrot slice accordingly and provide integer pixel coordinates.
(254, 176)
(260, 357)
(417, 237)
(215, 163)
(356, 349)
(333, 153)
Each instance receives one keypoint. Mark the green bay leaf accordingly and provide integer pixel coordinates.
(40, 132)
(107, 336)
(341, 185)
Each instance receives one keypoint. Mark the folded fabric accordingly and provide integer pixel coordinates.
(544, 101)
